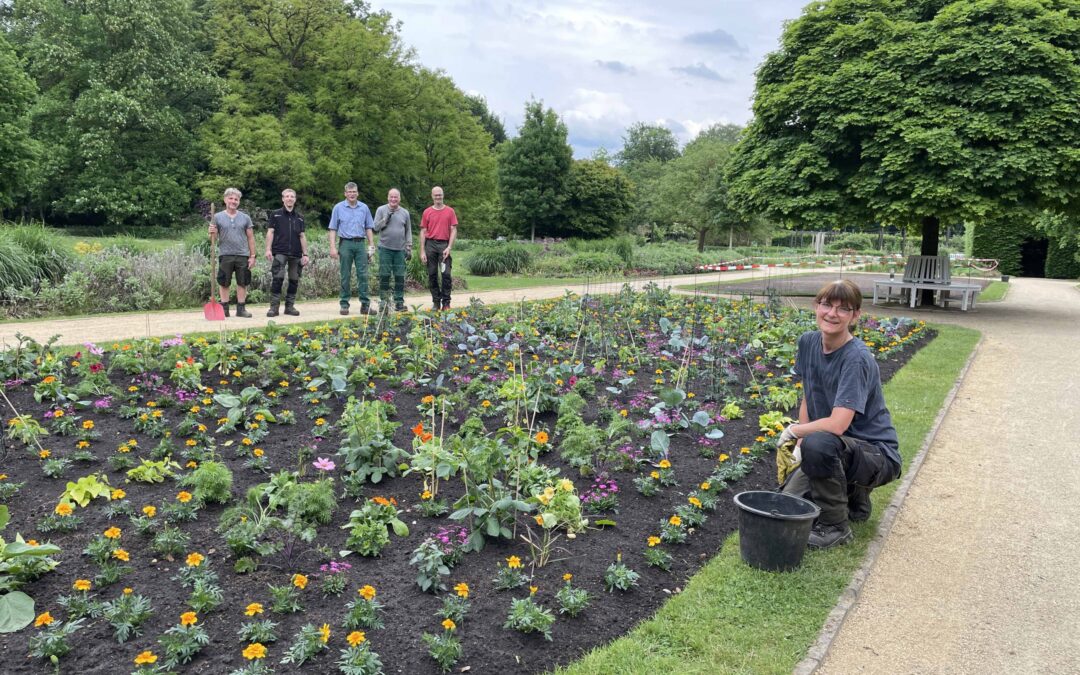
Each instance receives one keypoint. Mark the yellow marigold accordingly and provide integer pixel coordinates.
(191, 442)
(759, 439)
(82, 585)
(367, 592)
(539, 520)
(428, 399)
(533, 590)
(425, 495)
(320, 422)
(253, 609)
(48, 380)
(247, 442)
(258, 452)
(675, 520)
(82, 445)
(149, 511)
(541, 437)
(744, 451)
(145, 658)
(566, 485)
(183, 497)
(195, 559)
(485, 403)
(117, 494)
(664, 464)
(324, 633)
(624, 412)
(88, 424)
(655, 475)
(43, 619)
(128, 591)
(112, 533)
(462, 590)
(654, 541)
(567, 577)
(188, 619)
(449, 624)
(44, 454)
(723, 457)
(356, 637)
(300, 581)
(513, 562)
(253, 651)
(706, 485)
(121, 554)
(63, 509)
(192, 464)
(694, 501)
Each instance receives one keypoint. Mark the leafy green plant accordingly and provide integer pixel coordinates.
(619, 576)
(126, 614)
(499, 258)
(154, 471)
(366, 449)
(367, 526)
(431, 566)
(572, 601)
(52, 642)
(308, 642)
(527, 616)
(444, 647)
(181, 643)
(86, 488)
(16, 607)
(211, 482)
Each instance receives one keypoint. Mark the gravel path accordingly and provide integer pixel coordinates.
(976, 575)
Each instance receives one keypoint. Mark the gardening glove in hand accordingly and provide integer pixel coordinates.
(371, 254)
(788, 458)
(786, 435)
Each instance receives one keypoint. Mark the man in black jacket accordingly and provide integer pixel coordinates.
(287, 249)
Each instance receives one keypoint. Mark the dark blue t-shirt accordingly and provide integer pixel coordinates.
(847, 378)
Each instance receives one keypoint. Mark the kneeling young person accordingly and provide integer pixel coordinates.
(845, 434)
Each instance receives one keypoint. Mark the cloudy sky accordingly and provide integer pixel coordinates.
(601, 64)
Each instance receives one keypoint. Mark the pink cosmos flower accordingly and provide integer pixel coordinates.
(324, 464)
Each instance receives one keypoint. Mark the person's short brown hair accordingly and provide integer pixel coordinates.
(844, 291)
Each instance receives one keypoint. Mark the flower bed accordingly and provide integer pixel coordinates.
(499, 488)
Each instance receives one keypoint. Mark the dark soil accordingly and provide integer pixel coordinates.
(488, 647)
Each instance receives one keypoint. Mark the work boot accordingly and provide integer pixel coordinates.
(828, 536)
(240, 311)
(435, 307)
(400, 307)
(225, 307)
(275, 301)
(858, 504)
(290, 306)
(365, 309)
(344, 311)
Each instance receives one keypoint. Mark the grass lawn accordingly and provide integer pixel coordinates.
(734, 619)
(503, 283)
(994, 292)
(710, 287)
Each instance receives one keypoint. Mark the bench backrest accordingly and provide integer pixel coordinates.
(927, 269)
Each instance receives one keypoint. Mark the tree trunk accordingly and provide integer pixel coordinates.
(701, 240)
(532, 237)
(931, 233)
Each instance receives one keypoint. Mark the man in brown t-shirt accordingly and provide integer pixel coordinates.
(438, 229)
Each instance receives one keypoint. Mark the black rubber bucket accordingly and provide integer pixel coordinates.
(773, 529)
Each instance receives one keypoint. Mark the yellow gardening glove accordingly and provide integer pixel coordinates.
(788, 458)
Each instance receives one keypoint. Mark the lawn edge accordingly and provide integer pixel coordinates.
(817, 652)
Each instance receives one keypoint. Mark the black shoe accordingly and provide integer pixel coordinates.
(344, 311)
(365, 310)
(828, 536)
(446, 307)
(225, 308)
(401, 308)
(434, 308)
(858, 504)
(291, 310)
(241, 311)
(273, 311)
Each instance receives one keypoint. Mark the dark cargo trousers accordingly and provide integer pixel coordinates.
(837, 473)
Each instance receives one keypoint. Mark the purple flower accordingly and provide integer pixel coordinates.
(323, 464)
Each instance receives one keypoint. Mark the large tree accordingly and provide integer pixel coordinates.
(916, 113)
(644, 142)
(123, 89)
(17, 150)
(598, 198)
(533, 171)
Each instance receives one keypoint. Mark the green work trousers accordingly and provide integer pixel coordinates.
(392, 263)
(354, 253)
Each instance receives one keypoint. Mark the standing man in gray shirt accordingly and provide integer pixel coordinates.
(394, 225)
(845, 436)
(350, 224)
(233, 231)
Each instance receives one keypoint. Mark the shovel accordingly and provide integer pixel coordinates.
(213, 311)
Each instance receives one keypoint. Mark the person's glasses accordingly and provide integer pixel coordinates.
(839, 309)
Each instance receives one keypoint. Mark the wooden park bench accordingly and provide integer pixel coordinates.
(923, 272)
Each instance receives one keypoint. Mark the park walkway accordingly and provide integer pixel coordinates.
(976, 574)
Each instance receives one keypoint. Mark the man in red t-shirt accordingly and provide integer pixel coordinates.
(438, 229)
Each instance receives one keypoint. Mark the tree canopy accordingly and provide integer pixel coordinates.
(17, 150)
(644, 142)
(533, 171)
(915, 112)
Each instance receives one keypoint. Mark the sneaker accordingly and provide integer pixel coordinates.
(344, 311)
(859, 505)
(828, 536)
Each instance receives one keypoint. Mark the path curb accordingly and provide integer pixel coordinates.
(815, 655)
